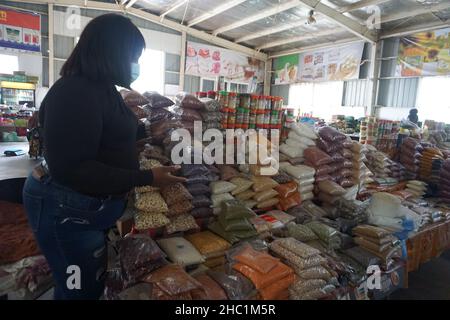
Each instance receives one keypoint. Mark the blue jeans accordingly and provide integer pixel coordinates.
(70, 230)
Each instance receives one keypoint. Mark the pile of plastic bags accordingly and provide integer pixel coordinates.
(301, 136)
(210, 246)
(445, 181)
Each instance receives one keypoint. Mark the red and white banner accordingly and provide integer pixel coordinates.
(20, 30)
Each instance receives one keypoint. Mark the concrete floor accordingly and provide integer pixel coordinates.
(430, 282)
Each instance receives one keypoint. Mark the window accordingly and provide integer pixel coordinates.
(433, 100)
(8, 63)
(207, 84)
(152, 72)
(236, 87)
(322, 99)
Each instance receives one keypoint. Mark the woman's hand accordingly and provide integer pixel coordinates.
(162, 176)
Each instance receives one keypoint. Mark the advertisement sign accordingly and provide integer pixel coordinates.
(334, 64)
(210, 61)
(424, 54)
(20, 30)
(286, 69)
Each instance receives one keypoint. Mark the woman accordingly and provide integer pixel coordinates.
(91, 162)
(413, 117)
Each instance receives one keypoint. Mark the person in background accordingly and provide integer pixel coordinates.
(413, 116)
(91, 161)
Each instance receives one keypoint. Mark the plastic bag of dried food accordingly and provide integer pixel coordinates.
(287, 189)
(228, 172)
(208, 244)
(198, 189)
(188, 170)
(265, 195)
(235, 209)
(155, 115)
(151, 202)
(138, 254)
(199, 179)
(241, 184)
(236, 286)
(234, 224)
(189, 101)
(263, 280)
(210, 289)
(327, 198)
(331, 135)
(172, 280)
(216, 227)
(347, 154)
(133, 98)
(306, 189)
(260, 224)
(268, 203)
(258, 260)
(145, 189)
(180, 208)
(217, 199)
(370, 231)
(323, 170)
(145, 220)
(148, 164)
(329, 147)
(299, 248)
(302, 129)
(218, 187)
(347, 182)
(313, 209)
(282, 178)
(348, 164)
(249, 203)
(175, 193)
(182, 223)
(185, 114)
(140, 291)
(296, 161)
(301, 232)
(317, 272)
(246, 195)
(324, 232)
(155, 100)
(202, 212)
(278, 290)
(211, 105)
(316, 157)
(302, 287)
(181, 251)
(201, 202)
(263, 183)
(337, 157)
(281, 216)
(289, 202)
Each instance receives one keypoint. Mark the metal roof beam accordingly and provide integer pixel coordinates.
(155, 19)
(273, 30)
(413, 13)
(351, 25)
(261, 15)
(130, 3)
(173, 8)
(214, 12)
(297, 39)
(361, 5)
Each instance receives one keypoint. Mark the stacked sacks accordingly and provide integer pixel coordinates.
(233, 222)
(377, 162)
(212, 247)
(179, 202)
(269, 276)
(134, 100)
(444, 182)
(361, 174)
(330, 238)
(156, 110)
(417, 188)
(300, 137)
(265, 195)
(289, 195)
(211, 290)
(243, 191)
(320, 161)
(151, 206)
(211, 116)
(426, 162)
(410, 154)
(313, 280)
(304, 177)
(397, 170)
(329, 192)
(335, 144)
(221, 191)
(378, 242)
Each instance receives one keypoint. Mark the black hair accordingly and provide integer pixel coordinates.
(107, 47)
(413, 111)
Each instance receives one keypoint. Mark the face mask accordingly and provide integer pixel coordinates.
(135, 71)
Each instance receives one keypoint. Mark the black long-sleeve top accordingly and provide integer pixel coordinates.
(90, 138)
